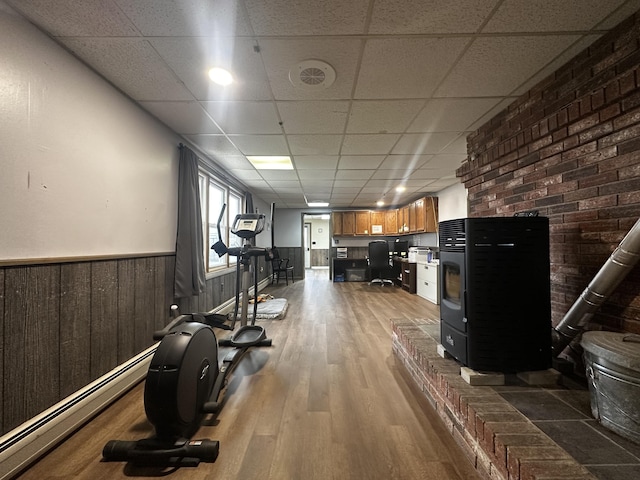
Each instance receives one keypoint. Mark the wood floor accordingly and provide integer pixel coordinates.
(327, 401)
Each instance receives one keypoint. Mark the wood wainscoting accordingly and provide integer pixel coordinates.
(68, 323)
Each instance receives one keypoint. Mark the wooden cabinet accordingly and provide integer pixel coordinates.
(421, 218)
(377, 220)
(348, 223)
(391, 222)
(431, 214)
(417, 217)
(412, 217)
(408, 276)
(362, 222)
(336, 223)
(403, 223)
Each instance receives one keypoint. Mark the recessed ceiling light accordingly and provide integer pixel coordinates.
(400, 188)
(220, 76)
(318, 204)
(380, 203)
(271, 162)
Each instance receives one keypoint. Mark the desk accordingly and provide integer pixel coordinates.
(340, 265)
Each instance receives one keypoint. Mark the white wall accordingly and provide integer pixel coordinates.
(319, 234)
(263, 239)
(288, 225)
(84, 171)
(452, 202)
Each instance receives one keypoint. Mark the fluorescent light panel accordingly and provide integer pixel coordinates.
(318, 204)
(270, 162)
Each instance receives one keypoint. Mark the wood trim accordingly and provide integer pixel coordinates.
(19, 262)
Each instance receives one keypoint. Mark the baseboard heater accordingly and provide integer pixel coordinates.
(25, 444)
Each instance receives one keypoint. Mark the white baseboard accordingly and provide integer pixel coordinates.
(25, 444)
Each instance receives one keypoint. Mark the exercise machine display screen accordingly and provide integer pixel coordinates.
(248, 225)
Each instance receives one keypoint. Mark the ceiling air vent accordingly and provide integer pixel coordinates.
(312, 75)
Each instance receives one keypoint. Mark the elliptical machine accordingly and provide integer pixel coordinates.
(184, 381)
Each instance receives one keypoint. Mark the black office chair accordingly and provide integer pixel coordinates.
(379, 262)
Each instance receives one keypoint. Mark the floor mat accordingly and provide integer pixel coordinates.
(272, 309)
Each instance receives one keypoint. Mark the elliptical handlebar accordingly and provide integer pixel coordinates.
(219, 247)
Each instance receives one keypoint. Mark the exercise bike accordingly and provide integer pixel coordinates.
(184, 382)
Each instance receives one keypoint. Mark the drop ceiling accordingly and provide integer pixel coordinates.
(412, 79)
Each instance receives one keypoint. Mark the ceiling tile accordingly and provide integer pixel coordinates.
(368, 144)
(346, 190)
(314, 144)
(433, 16)
(349, 162)
(319, 186)
(269, 175)
(445, 161)
(343, 196)
(298, 17)
(556, 63)
(430, 173)
(457, 146)
(317, 174)
(451, 114)
(316, 162)
(349, 183)
(185, 118)
(406, 162)
(413, 77)
(414, 183)
(388, 116)
(244, 117)
(198, 18)
(214, 144)
(442, 183)
(548, 15)
(70, 18)
(132, 64)
(424, 143)
(392, 175)
(406, 67)
(260, 144)
(497, 65)
(191, 58)
(376, 192)
(247, 175)
(355, 174)
(313, 117)
(282, 55)
(235, 162)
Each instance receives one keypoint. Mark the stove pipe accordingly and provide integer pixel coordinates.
(611, 274)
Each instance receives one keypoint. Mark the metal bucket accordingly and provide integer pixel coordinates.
(613, 371)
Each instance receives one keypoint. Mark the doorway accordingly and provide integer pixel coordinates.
(307, 245)
(316, 240)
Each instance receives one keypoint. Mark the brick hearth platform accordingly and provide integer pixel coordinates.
(500, 442)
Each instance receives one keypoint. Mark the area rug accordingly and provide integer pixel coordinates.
(271, 309)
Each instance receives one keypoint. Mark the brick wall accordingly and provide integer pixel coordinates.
(570, 148)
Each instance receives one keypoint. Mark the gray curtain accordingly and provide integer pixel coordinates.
(248, 202)
(189, 273)
(248, 208)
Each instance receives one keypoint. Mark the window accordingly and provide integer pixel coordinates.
(214, 194)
